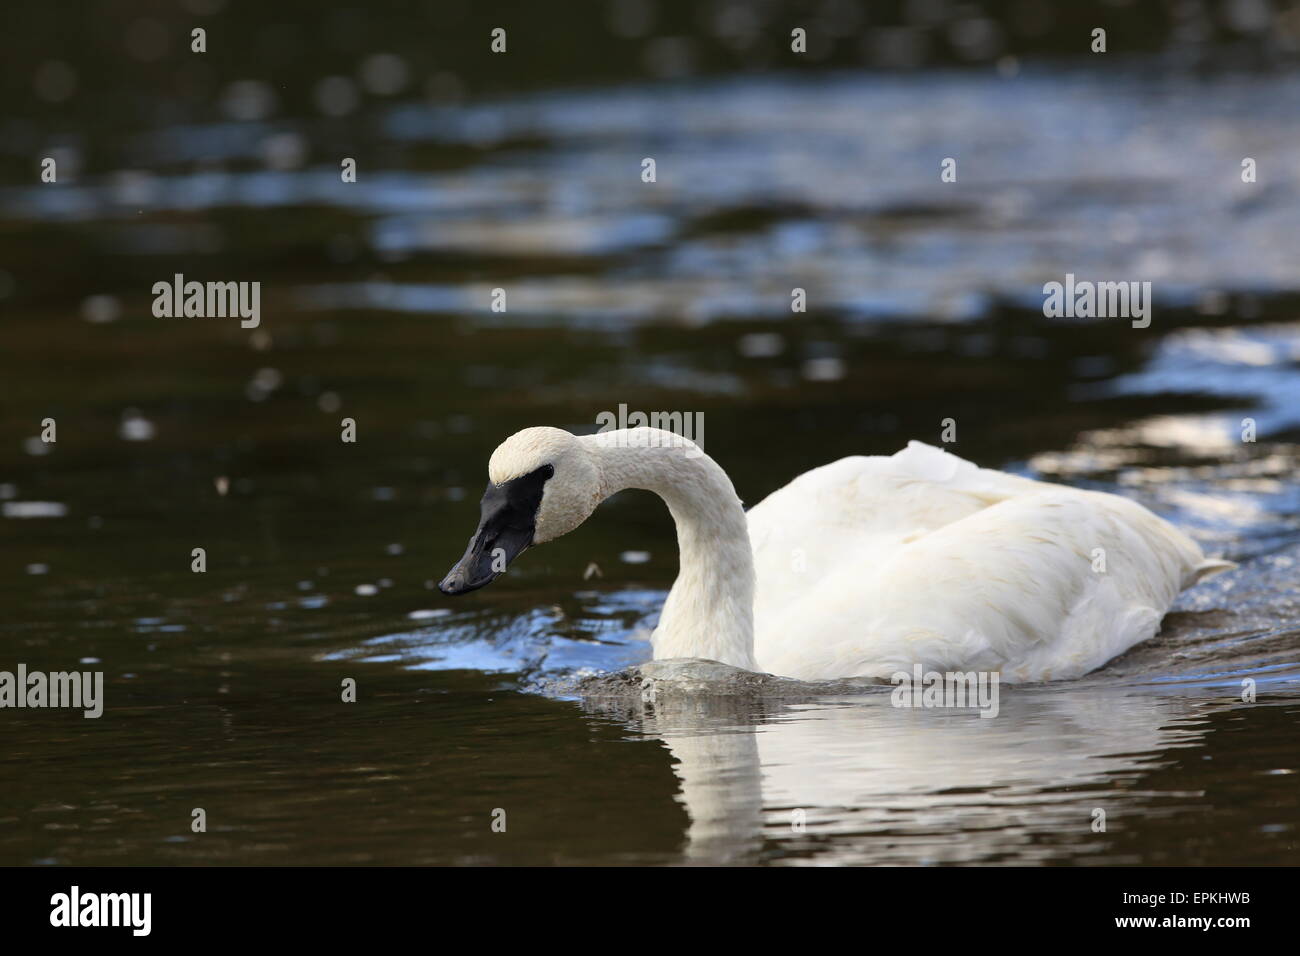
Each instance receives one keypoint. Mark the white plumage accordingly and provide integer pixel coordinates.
(870, 565)
(923, 557)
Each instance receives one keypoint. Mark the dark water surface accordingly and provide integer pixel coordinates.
(223, 688)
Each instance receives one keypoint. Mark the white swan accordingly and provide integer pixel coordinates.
(860, 568)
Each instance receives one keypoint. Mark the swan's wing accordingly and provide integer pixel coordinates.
(833, 515)
(1041, 586)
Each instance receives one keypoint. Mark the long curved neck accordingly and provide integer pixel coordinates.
(710, 610)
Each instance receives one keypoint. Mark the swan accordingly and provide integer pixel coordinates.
(860, 568)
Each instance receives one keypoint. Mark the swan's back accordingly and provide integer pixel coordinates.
(869, 565)
(803, 532)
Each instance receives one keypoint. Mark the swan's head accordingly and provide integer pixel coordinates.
(542, 483)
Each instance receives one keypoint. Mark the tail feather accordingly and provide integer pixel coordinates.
(1210, 567)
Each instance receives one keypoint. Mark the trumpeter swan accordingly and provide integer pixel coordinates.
(860, 568)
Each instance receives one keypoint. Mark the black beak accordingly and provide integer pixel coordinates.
(507, 522)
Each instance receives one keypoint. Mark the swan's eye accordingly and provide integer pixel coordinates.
(522, 494)
(514, 503)
(527, 489)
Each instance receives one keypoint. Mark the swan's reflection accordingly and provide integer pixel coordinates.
(912, 786)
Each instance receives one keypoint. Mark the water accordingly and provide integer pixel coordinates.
(224, 688)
